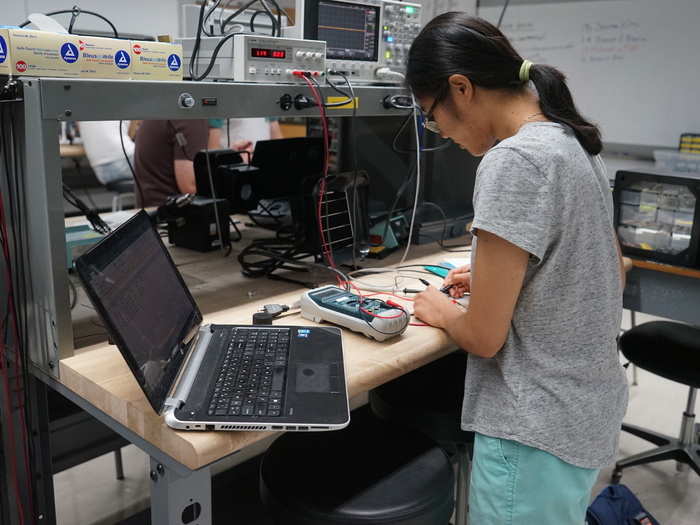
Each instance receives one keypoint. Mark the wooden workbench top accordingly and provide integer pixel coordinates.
(666, 268)
(100, 375)
(71, 151)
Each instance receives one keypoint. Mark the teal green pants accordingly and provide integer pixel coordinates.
(513, 484)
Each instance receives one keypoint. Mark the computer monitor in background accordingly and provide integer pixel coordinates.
(231, 177)
(447, 177)
(284, 163)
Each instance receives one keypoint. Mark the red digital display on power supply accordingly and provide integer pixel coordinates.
(259, 52)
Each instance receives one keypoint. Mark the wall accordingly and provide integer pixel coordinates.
(157, 17)
(151, 17)
(630, 63)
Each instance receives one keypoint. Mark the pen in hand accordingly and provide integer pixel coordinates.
(444, 289)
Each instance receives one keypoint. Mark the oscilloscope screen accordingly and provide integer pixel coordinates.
(351, 31)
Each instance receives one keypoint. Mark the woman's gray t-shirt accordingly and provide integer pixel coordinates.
(557, 384)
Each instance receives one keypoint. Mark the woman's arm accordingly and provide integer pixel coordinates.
(498, 273)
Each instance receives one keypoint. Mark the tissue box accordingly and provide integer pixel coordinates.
(44, 54)
(156, 61)
(105, 58)
(5, 61)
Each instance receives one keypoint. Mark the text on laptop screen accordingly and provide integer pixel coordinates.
(144, 301)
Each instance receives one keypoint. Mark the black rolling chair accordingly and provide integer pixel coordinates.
(120, 189)
(671, 350)
(429, 400)
(369, 473)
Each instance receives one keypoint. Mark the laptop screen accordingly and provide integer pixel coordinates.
(143, 302)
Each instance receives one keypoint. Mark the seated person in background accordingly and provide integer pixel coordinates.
(104, 150)
(163, 158)
(241, 134)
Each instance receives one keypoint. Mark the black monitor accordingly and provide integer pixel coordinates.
(232, 178)
(447, 177)
(657, 216)
(284, 163)
(351, 30)
(207, 162)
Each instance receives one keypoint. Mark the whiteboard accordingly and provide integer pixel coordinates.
(633, 66)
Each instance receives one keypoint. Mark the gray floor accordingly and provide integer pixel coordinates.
(90, 494)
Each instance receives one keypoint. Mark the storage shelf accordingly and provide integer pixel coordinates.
(84, 99)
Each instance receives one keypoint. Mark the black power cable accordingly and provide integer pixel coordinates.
(276, 24)
(399, 193)
(277, 27)
(255, 15)
(213, 8)
(128, 161)
(195, 56)
(503, 13)
(194, 59)
(92, 216)
(238, 232)
(274, 254)
(441, 242)
(75, 13)
(348, 98)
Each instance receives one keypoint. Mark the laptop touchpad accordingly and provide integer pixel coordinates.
(313, 377)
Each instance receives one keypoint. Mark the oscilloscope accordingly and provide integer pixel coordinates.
(365, 39)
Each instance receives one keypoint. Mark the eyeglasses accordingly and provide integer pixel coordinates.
(428, 122)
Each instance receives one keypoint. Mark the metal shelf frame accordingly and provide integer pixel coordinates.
(49, 101)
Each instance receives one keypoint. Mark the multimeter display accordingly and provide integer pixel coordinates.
(327, 293)
(260, 52)
(349, 303)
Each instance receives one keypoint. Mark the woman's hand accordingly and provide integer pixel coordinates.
(434, 308)
(460, 279)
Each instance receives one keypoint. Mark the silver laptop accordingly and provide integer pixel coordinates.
(209, 377)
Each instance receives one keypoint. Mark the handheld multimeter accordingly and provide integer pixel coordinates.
(373, 317)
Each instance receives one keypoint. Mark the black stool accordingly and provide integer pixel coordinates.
(671, 350)
(429, 400)
(367, 473)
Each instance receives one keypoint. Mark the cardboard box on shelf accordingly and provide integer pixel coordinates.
(43, 54)
(5, 61)
(156, 61)
(105, 58)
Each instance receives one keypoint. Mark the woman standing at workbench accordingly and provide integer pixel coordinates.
(545, 392)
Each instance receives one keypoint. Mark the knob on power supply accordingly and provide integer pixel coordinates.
(186, 101)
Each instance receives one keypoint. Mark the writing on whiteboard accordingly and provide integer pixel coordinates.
(611, 41)
(535, 41)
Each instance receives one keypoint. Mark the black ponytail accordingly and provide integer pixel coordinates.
(456, 43)
(558, 105)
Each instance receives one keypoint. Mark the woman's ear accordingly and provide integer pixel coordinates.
(461, 86)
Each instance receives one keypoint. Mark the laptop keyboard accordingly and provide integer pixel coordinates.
(252, 375)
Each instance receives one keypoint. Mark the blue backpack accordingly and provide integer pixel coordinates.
(617, 505)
